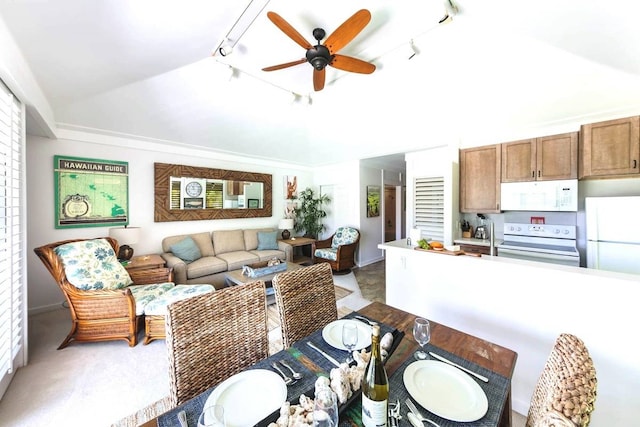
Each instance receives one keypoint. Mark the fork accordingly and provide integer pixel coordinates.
(418, 414)
(393, 419)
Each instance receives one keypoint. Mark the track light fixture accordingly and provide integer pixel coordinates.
(225, 48)
(450, 10)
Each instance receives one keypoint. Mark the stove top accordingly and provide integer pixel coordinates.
(541, 238)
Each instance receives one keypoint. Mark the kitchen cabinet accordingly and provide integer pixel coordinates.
(480, 179)
(546, 158)
(477, 249)
(610, 148)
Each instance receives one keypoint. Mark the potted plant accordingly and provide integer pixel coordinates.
(309, 213)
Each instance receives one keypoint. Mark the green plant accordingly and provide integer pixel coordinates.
(309, 213)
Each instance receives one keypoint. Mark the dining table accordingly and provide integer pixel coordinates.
(477, 355)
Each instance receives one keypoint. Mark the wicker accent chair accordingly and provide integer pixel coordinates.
(339, 249)
(99, 315)
(306, 301)
(215, 335)
(566, 391)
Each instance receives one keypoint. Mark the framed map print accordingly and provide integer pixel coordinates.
(90, 192)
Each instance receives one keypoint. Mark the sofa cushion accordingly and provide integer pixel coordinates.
(144, 294)
(205, 266)
(186, 249)
(266, 255)
(327, 253)
(267, 240)
(227, 241)
(344, 236)
(158, 306)
(235, 260)
(251, 237)
(203, 240)
(92, 265)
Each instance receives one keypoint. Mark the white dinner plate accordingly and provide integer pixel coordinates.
(248, 397)
(332, 334)
(446, 391)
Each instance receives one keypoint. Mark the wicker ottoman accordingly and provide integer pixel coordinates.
(155, 311)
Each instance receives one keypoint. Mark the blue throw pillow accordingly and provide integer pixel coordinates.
(267, 240)
(186, 250)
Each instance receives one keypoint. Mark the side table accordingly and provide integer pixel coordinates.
(299, 242)
(145, 262)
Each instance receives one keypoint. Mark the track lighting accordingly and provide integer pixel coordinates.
(450, 10)
(414, 49)
(225, 48)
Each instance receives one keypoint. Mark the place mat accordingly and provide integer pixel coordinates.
(496, 390)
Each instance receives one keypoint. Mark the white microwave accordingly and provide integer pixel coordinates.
(553, 196)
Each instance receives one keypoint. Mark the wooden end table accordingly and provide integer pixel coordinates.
(145, 262)
(296, 242)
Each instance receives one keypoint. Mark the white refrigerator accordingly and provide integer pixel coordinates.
(613, 234)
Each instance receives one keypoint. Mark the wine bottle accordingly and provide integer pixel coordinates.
(375, 387)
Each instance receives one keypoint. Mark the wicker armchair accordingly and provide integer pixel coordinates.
(306, 301)
(213, 336)
(339, 249)
(99, 315)
(566, 391)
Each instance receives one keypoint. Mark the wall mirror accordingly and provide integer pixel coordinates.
(188, 193)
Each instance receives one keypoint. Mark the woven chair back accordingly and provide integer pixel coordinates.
(566, 389)
(213, 336)
(306, 301)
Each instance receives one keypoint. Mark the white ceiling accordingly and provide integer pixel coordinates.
(144, 68)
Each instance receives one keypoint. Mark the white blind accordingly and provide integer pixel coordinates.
(429, 207)
(12, 263)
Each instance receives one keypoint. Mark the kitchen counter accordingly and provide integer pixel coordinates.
(524, 305)
(476, 242)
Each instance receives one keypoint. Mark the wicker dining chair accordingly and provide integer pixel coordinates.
(213, 336)
(566, 390)
(100, 314)
(306, 301)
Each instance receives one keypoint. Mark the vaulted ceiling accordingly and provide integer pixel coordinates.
(144, 68)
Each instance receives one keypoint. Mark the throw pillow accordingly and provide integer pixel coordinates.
(267, 240)
(92, 265)
(187, 250)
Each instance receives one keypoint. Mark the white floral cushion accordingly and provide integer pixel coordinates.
(344, 236)
(158, 307)
(92, 265)
(145, 294)
(327, 253)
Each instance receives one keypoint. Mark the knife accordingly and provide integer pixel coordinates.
(442, 359)
(326, 356)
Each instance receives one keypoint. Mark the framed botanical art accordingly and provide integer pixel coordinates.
(90, 192)
(373, 200)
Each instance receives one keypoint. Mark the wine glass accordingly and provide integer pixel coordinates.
(212, 416)
(422, 334)
(325, 410)
(349, 338)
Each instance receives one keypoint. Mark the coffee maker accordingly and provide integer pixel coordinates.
(481, 229)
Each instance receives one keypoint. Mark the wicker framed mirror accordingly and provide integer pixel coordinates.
(190, 193)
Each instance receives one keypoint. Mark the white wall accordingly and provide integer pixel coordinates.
(524, 306)
(372, 229)
(42, 290)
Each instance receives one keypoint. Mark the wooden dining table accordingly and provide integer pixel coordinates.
(493, 357)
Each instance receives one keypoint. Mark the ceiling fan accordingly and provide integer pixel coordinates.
(321, 55)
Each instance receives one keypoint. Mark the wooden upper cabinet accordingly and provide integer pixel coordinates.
(541, 159)
(610, 148)
(480, 179)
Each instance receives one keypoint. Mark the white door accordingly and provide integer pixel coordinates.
(620, 257)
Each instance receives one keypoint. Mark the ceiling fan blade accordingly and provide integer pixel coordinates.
(285, 65)
(318, 79)
(288, 30)
(355, 65)
(347, 31)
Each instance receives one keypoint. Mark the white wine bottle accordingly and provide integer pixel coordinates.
(375, 387)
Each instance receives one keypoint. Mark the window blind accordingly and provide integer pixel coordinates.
(429, 207)
(12, 234)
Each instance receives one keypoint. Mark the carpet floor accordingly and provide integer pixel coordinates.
(100, 384)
